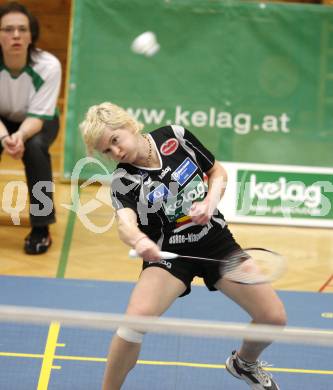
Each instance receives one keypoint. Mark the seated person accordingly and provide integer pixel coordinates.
(29, 87)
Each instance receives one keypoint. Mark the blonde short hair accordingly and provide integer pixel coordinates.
(102, 116)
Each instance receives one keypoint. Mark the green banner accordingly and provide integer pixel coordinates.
(285, 194)
(253, 81)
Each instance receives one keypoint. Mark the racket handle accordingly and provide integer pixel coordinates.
(164, 255)
(168, 255)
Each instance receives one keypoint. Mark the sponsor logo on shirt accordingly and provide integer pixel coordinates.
(160, 192)
(190, 237)
(169, 146)
(164, 172)
(148, 181)
(183, 221)
(184, 171)
(177, 206)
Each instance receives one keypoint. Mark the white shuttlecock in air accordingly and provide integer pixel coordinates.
(146, 44)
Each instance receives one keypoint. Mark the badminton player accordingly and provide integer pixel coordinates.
(166, 189)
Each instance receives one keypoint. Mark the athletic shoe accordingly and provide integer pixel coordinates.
(36, 244)
(252, 373)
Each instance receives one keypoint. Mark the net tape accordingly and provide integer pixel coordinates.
(185, 327)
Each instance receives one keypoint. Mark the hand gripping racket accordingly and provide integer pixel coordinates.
(245, 266)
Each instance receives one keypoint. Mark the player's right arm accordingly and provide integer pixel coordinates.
(131, 235)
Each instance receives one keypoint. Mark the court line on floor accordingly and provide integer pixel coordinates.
(53, 333)
(326, 284)
(162, 363)
(48, 357)
(62, 265)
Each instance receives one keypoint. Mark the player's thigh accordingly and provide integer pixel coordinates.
(260, 300)
(154, 292)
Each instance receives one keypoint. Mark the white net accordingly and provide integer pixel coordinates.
(51, 349)
(105, 321)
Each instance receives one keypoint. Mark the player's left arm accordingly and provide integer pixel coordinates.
(201, 212)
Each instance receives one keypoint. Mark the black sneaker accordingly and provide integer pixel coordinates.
(37, 242)
(252, 373)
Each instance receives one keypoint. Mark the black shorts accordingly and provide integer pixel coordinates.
(187, 269)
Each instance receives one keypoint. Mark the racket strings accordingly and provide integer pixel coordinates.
(257, 268)
(247, 266)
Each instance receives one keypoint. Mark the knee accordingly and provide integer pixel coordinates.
(35, 146)
(278, 317)
(275, 316)
(133, 335)
(34, 142)
(130, 335)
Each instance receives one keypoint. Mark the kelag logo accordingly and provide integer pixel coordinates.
(179, 205)
(284, 194)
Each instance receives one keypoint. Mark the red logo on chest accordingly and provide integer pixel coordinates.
(169, 146)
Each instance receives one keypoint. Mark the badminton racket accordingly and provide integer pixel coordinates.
(245, 266)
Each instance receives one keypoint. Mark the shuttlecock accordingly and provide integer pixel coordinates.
(146, 44)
